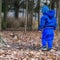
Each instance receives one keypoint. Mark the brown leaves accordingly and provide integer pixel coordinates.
(14, 54)
(24, 47)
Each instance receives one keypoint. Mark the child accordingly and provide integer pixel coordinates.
(47, 26)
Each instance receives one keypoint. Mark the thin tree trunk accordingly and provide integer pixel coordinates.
(38, 12)
(4, 22)
(35, 16)
(59, 15)
(52, 4)
(16, 8)
(31, 17)
(5, 11)
(58, 23)
(26, 15)
(23, 10)
(0, 12)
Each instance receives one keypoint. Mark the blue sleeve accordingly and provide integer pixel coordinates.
(42, 23)
(55, 27)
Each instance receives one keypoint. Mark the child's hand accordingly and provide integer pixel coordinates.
(39, 31)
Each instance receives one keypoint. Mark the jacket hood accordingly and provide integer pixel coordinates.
(51, 13)
(45, 9)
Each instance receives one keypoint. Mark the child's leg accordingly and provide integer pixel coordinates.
(43, 39)
(50, 44)
(43, 43)
(50, 41)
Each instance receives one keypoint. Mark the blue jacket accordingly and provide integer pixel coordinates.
(48, 20)
(44, 9)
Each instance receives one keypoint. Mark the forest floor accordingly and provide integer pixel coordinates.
(21, 46)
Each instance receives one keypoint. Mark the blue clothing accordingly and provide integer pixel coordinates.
(48, 24)
(48, 20)
(47, 37)
(45, 9)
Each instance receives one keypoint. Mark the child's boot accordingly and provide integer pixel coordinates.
(43, 48)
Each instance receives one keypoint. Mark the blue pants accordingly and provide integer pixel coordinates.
(47, 37)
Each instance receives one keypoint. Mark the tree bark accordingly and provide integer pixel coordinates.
(30, 14)
(26, 15)
(0, 12)
(38, 12)
(5, 11)
(31, 18)
(58, 21)
(52, 4)
(4, 22)
(16, 8)
(59, 14)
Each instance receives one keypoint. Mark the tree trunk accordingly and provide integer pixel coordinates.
(26, 15)
(0, 12)
(38, 12)
(57, 7)
(35, 15)
(23, 9)
(58, 19)
(31, 18)
(2, 41)
(16, 8)
(59, 15)
(5, 11)
(30, 14)
(52, 4)
(4, 22)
